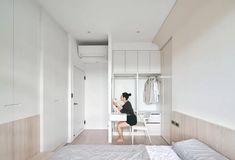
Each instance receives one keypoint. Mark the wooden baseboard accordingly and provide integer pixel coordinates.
(20, 140)
(218, 137)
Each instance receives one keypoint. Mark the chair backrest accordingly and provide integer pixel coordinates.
(144, 117)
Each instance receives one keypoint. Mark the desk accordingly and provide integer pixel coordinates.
(115, 117)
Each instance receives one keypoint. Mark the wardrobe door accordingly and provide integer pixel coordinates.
(26, 58)
(166, 92)
(131, 61)
(6, 60)
(155, 61)
(118, 61)
(143, 61)
(6, 79)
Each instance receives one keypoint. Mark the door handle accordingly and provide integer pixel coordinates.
(75, 103)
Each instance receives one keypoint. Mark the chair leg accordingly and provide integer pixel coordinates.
(149, 136)
(132, 136)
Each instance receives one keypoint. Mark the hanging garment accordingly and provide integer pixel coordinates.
(151, 91)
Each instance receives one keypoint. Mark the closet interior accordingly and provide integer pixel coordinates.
(131, 69)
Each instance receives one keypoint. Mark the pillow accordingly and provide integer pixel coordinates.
(195, 150)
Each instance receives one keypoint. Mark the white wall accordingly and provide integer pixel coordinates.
(54, 109)
(96, 94)
(203, 59)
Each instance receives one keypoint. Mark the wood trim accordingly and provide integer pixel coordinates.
(6, 141)
(20, 139)
(217, 137)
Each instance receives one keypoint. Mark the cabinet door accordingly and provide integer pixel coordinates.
(155, 61)
(143, 61)
(6, 60)
(26, 57)
(118, 61)
(131, 61)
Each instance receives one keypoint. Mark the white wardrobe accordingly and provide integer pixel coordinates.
(19, 59)
(19, 79)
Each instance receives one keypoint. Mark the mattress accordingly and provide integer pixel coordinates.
(115, 152)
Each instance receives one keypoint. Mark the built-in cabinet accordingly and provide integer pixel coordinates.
(19, 59)
(133, 61)
(166, 91)
(19, 79)
(55, 84)
(6, 59)
(130, 71)
(119, 64)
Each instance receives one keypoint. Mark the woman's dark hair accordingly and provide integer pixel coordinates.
(126, 95)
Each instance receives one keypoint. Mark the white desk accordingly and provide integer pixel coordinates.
(115, 117)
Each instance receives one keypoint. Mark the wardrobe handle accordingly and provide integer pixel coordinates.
(75, 103)
(15, 104)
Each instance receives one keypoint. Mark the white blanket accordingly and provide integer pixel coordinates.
(102, 152)
(115, 152)
(161, 153)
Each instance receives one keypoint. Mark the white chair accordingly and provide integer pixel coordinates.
(141, 126)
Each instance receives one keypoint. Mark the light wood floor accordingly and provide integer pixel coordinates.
(101, 137)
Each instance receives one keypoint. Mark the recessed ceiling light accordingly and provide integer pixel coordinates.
(137, 31)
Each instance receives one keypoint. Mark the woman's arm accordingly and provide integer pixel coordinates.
(116, 105)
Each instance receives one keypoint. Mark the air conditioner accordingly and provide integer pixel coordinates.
(93, 53)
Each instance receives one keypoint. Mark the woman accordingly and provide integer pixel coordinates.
(131, 117)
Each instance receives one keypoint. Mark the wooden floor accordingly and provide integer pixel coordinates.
(101, 137)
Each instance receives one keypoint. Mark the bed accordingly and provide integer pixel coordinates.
(185, 150)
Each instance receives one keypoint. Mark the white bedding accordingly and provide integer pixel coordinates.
(161, 153)
(115, 152)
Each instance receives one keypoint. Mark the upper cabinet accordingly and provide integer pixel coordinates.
(155, 61)
(143, 62)
(136, 61)
(118, 61)
(131, 61)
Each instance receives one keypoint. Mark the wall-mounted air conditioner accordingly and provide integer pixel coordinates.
(93, 53)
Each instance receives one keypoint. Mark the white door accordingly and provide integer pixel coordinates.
(78, 101)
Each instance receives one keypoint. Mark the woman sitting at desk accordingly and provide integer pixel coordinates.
(131, 117)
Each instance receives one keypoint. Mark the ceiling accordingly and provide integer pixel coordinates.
(125, 20)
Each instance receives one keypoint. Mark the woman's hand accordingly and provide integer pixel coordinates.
(115, 104)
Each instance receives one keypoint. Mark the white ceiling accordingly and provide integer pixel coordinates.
(121, 18)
